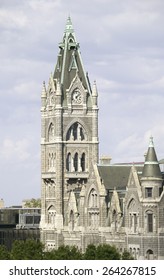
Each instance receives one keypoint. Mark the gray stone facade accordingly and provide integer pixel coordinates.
(84, 201)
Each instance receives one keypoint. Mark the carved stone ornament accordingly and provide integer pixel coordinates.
(77, 97)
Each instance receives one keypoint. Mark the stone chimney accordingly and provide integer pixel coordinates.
(105, 160)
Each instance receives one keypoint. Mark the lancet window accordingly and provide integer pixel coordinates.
(69, 162)
(76, 162)
(93, 210)
(149, 221)
(51, 215)
(83, 162)
(51, 162)
(76, 132)
(133, 216)
(51, 132)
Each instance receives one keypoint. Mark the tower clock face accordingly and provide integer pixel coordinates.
(77, 97)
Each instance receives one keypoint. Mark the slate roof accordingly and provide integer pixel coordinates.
(116, 176)
(151, 165)
(69, 61)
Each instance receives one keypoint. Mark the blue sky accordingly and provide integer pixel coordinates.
(122, 47)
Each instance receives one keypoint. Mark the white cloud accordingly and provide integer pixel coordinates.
(11, 19)
(15, 150)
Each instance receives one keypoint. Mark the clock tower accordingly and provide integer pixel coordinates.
(69, 142)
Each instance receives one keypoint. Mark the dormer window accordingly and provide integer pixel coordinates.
(148, 192)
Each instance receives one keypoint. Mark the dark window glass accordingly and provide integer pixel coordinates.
(36, 219)
(83, 162)
(148, 192)
(29, 219)
(76, 162)
(150, 222)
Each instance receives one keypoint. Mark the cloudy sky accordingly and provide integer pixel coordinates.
(122, 47)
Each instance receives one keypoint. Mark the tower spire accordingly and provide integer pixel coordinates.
(94, 89)
(43, 95)
(69, 62)
(69, 26)
(151, 165)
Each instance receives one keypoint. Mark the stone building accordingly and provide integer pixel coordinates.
(85, 200)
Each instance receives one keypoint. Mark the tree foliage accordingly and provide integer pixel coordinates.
(34, 250)
(127, 256)
(33, 203)
(4, 253)
(27, 250)
(90, 253)
(101, 252)
(64, 253)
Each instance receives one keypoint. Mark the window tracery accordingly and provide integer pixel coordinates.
(76, 132)
(51, 215)
(133, 216)
(76, 163)
(93, 210)
(51, 162)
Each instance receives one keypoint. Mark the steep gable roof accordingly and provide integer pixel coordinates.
(116, 176)
(69, 61)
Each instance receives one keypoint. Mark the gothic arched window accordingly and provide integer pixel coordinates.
(51, 215)
(149, 255)
(76, 132)
(51, 162)
(93, 199)
(68, 162)
(133, 216)
(76, 162)
(51, 132)
(149, 218)
(93, 210)
(83, 162)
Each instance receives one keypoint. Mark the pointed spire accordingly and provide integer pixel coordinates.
(44, 93)
(69, 62)
(94, 89)
(43, 96)
(151, 165)
(151, 144)
(69, 26)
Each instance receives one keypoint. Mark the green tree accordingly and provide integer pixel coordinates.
(90, 253)
(33, 203)
(107, 252)
(27, 250)
(4, 253)
(127, 256)
(102, 252)
(64, 253)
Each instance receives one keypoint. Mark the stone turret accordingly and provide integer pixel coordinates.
(151, 180)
